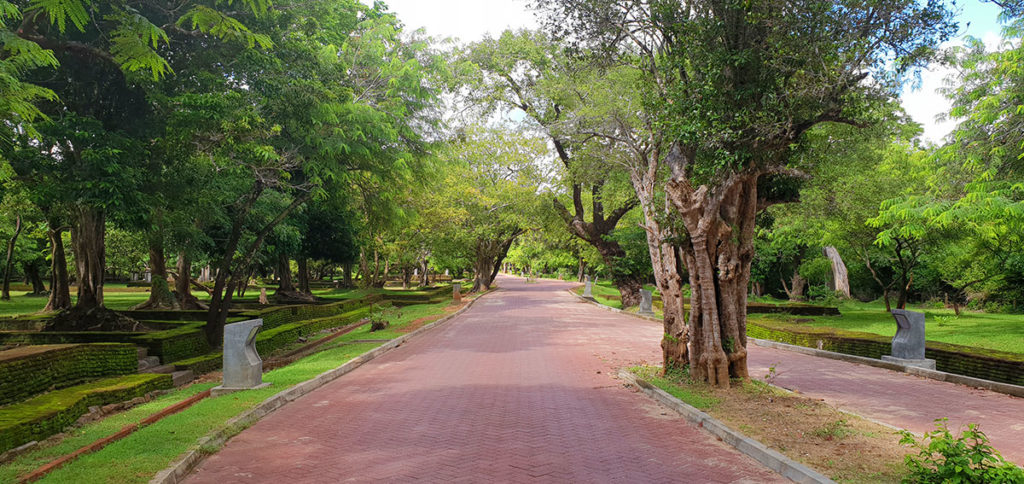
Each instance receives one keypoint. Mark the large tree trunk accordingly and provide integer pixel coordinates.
(60, 286)
(346, 270)
(182, 284)
(582, 270)
(840, 276)
(9, 263)
(160, 296)
(488, 258)
(303, 264)
(795, 289)
(284, 274)
(34, 273)
(424, 270)
(720, 225)
(406, 275)
(88, 244)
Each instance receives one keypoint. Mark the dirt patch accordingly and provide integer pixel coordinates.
(844, 447)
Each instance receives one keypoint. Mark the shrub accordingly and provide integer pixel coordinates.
(966, 458)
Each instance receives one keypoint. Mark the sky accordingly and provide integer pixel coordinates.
(470, 20)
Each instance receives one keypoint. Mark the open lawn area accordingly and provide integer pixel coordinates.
(995, 331)
(1003, 332)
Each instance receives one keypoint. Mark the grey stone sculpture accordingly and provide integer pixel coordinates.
(908, 344)
(243, 368)
(646, 303)
(588, 290)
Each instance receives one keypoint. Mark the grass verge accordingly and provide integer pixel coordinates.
(151, 449)
(844, 447)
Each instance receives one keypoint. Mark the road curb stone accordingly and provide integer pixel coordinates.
(775, 461)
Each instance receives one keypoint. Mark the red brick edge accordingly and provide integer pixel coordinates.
(124, 432)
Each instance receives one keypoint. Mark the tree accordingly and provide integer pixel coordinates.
(527, 71)
(735, 87)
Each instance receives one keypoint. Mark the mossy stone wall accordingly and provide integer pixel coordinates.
(27, 371)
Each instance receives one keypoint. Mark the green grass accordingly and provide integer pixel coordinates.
(607, 294)
(700, 398)
(1002, 332)
(151, 449)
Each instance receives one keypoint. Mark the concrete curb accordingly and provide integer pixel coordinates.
(609, 308)
(1005, 388)
(775, 461)
(180, 468)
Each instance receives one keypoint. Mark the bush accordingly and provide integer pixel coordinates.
(967, 458)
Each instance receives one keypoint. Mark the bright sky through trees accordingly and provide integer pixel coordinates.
(469, 20)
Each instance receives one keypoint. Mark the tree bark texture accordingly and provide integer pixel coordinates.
(840, 275)
(303, 264)
(88, 244)
(183, 284)
(718, 250)
(9, 262)
(284, 274)
(160, 296)
(33, 271)
(60, 286)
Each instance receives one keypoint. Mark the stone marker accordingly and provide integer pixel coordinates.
(588, 290)
(908, 344)
(263, 296)
(243, 368)
(646, 303)
(456, 293)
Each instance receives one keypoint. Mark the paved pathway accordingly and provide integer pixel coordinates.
(898, 399)
(519, 388)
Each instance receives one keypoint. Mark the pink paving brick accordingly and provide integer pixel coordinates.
(520, 388)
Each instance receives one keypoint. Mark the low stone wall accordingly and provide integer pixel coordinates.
(962, 360)
(30, 370)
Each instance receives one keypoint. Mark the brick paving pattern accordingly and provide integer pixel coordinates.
(520, 388)
(898, 399)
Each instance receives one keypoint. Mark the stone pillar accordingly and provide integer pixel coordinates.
(909, 343)
(456, 293)
(588, 290)
(243, 368)
(646, 303)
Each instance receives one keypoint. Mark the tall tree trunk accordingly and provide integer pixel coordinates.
(582, 270)
(60, 286)
(720, 225)
(284, 274)
(795, 289)
(34, 274)
(182, 284)
(303, 264)
(9, 263)
(88, 244)
(406, 275)
(424, 268)
(346, 279)
(840, 276)
(160, 296)
(489, 254)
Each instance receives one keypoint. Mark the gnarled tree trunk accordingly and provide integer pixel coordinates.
(183, 286)
(33, 270)
(88, 244)
(720, 225)
(487, 262)
(303, 264)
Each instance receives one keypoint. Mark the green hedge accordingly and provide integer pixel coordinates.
(278, 316)
(175, 344)
(281, 336)
(962, 360)
(48, 414)
(201, 364)
(30, 370)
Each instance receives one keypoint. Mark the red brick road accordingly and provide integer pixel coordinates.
(519, 388)
(898, 399)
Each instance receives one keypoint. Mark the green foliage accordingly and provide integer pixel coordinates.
(965, 458)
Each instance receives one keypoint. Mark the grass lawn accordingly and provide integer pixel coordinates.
(607, 294)
(151, 449)
(1003, 332)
